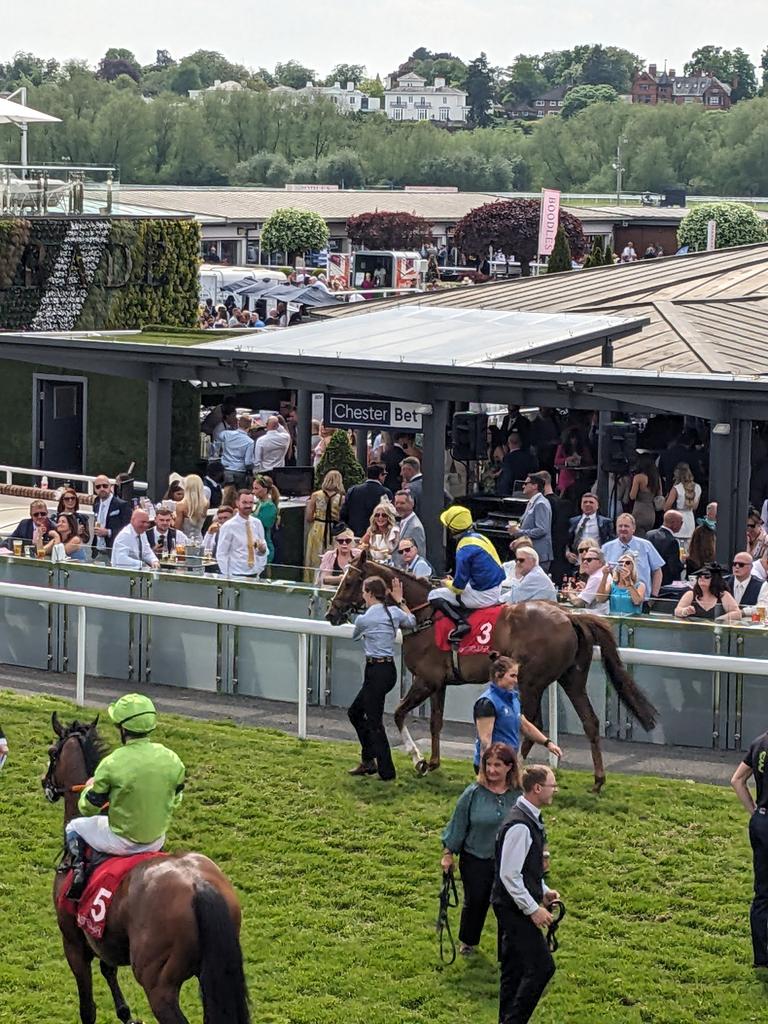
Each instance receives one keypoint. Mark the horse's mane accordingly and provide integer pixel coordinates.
(93, 746)
(404, 574)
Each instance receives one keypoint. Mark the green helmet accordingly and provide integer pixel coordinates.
(134, 712)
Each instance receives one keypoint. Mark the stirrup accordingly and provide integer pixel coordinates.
(458, 633)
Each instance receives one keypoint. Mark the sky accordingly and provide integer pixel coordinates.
(382, 35)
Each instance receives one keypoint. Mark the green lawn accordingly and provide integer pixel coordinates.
(339, 879)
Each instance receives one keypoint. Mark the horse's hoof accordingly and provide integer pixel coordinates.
(421, 767)
(433, 766)
(599, 783)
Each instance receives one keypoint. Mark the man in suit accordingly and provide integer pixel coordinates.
(536, 523)
(162, 537)
(413, 482)
(110, 515)
(742, 584)
(516, 465)
(411, 527)
(35, 530)
(590, 525)
(362, 499)
(668, 546)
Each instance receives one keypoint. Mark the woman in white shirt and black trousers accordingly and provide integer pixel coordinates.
(378, 627)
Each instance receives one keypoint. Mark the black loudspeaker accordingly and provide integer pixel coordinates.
(617, 447)
(469, 441)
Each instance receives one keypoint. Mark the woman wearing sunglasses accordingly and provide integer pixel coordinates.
(69, 505)
(381, 537)
(622, 589)
(708, 593)
(334, 562)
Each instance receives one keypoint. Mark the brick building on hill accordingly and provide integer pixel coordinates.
(652, 88)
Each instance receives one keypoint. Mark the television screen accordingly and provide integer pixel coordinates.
(294, 481)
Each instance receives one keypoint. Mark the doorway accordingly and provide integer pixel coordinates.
(59, 434)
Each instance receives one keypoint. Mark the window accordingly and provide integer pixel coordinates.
(445, 99)
(539, 113)
(541, 103)
(422, 115)
(398, 114)
(352, 101)
(559, 103)
(64, 401)
(444, 113)
(713, 101)
(553, 103)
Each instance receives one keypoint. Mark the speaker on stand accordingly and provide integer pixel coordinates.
(618, 455)
(469, 442)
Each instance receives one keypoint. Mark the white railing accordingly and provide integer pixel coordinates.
(310, 627)
(9, 471)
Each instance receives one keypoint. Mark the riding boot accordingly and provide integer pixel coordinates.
(76, 847)
(455, 614)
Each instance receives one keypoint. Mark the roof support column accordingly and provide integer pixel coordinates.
(159, 408)
(361, 447)
(729, 470)
(433, 468)
(304, 427)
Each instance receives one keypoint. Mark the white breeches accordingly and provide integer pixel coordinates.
(469, 598)
(99, 836)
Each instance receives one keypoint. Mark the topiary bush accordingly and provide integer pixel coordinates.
(737, 224)
(560, 257)
(339, 455)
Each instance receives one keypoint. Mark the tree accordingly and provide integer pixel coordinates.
(184, 79)
(595, 258)
(764, 71)
(210, 66)
(523, 81)
(294, 232)
(608, 260)
(344, 73)
(339, 455)
(560, 258)
(263, 168)
(373, 87)
(293, 74)
(383, 230)
(479, 83)
(583, 96)
(727, 65)
(513, 228)
(737, 224)
(342, 168)
(111, 68)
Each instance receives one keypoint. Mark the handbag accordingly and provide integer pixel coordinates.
(658, 503)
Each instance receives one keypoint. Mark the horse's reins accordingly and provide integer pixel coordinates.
(552, 941)
(449, 897)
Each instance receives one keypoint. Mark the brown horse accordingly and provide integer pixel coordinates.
(172, 918)
(551, 645)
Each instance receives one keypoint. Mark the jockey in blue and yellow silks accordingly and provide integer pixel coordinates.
(478, 574)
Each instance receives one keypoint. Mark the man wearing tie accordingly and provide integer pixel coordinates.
(131, 549)
(588, 526)
(242, 549)
(162, 537)
(111, 515)
(742, 584)
(536, 523)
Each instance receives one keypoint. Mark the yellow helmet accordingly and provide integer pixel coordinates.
(456, 518)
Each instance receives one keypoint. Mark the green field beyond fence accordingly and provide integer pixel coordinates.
(339, 880)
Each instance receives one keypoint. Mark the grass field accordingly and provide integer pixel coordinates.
(339, 879)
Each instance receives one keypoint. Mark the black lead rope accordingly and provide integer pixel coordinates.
(557, 910)
(449, 897)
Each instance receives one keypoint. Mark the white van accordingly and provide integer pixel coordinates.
(214, 277)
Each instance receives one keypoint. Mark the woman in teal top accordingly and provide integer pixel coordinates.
(471, 833)
(623, 591)
(266, 510)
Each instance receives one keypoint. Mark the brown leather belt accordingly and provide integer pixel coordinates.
(378, 661)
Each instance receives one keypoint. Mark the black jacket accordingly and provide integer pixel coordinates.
(25, 531)
(118, 516)
(170, 538)
(750, 594)
(360, 502)
(604, 529)
(668, 547)
(515, 465)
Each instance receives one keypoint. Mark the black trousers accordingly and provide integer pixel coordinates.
(526, 966)
(366, 713)
(758, 914)
(477, 881)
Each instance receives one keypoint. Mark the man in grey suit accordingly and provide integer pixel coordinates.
(536, 523)
(410, 525)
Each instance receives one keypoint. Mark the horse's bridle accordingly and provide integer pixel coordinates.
(50, 789)
(356, 607)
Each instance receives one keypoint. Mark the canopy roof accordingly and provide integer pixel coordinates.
(16, 113)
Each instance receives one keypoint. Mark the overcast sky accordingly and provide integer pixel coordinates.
(380, 35)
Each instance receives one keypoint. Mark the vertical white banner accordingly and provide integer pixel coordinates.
(548, 220)
(711, 235)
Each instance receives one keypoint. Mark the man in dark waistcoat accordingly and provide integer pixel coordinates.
(521, 899)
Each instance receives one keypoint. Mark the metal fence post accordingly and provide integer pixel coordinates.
(552, 723)
(80, 679)
(303, 684)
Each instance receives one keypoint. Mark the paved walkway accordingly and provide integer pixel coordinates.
(695, 763)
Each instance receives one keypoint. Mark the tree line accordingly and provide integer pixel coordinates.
(140, 119)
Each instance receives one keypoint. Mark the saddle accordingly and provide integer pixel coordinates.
(478, 640)
(105, 875)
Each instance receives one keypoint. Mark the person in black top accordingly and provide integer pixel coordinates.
(521, 900)
(517, 464)
(754, 764)
(361, 499)
(666, 543)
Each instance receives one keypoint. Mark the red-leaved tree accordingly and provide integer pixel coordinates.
(512, 227)
(383, 230)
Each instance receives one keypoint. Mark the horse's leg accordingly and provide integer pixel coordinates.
(530, 706)
(122, 1009)
(437, 702)
(418, 693)
(575, 685)
(164, 1000)
(79, 957)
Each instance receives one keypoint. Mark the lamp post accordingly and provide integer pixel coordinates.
(618, 166)
(21, 93)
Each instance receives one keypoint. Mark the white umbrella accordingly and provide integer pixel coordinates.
(17, 113)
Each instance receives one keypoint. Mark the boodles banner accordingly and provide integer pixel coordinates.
(548, 221)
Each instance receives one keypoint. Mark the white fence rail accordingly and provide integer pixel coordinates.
(10, 471)
(310, 627)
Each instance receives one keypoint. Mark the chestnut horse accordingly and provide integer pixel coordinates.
(551, 645)
(172, 918)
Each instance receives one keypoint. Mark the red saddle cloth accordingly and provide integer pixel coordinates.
(92, 908)
(478, 639)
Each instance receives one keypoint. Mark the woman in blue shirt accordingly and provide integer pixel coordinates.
(378, 627)
(624, 590)
(471, 833)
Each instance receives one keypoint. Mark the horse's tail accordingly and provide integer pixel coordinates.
(222, 979)
(594, 630)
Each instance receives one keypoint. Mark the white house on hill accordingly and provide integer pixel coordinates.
(411, 99)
